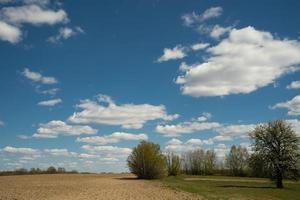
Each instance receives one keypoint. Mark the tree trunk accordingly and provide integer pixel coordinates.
(279, 180)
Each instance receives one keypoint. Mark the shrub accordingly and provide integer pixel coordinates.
(147, 161)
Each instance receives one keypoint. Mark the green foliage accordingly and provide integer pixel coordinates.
(199, 162)
(277, 145)
(237, 161)
(147, 161)
(173, 163)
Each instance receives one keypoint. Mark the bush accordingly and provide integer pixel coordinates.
(173, 163)
(147, 161)
(51, 170)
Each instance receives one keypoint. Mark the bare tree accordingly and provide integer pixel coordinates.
(278, 146)
(173, 163)
(237, 160)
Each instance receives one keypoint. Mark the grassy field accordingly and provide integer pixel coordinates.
(219, 187)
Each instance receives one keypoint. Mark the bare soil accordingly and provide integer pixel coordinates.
(85, 187)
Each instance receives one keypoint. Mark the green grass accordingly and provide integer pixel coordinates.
(220, 187)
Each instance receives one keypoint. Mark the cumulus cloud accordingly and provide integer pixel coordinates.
(217, 31)
(242, 63)
(295, 125)
(9, 32)
(199, 46)
(177, 146)
(33, 14)
(16, 150)
(105, 111)
(190, 19)
(178, 52)
(55, 128)
(294, 85)
(38, 77)
(293, 105)
(65, 33)
(113, 138)
(110, 150)
(235, 130)
(199, 124)
(49, 103)
(60, 152)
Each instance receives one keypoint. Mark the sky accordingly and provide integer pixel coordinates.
(82, 82)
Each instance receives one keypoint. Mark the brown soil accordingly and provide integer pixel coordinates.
(85, 186)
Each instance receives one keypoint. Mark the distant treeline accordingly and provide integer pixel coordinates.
(49, 170)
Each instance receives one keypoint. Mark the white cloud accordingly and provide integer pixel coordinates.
(295, 125)
(55, 128)
(65, 33)
(52, 91)
(212, 12)
(2, 123)
(37, 77)
(294, 85)
(222, 138)
(199, 46)
(127, 115)
(292, 105)
(9, 33)
(217, 31)
(51, 102)
(111, 150)
(113, 138)
(177, 52)
(235, 130)
(15, 150)
(60, 152)
(242, 63)
(86, 155)
(199, 124)
(177, 146)
(191, 19)
(33, 14)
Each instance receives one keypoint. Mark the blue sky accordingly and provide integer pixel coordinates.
(83, 81)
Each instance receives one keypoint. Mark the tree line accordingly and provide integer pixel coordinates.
(49, 170)
(275, 154)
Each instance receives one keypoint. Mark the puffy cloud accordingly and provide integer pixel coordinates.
(236, 130)
(51, 102)
(126, 115)
(37, 77)
(217, 31)
(295, 125)
(212, 12)
(292, 105)
(191, 19)
(55, 128)
(110, 150)
(294, 85)
(65, 33)
(177, 146)
(199, 46)
(33, 14)
(16, 150)
(186, 127)
(9, 33)
(113, 138)
(52, 91)
(245, 61)
(177, 52)
(60, 152)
